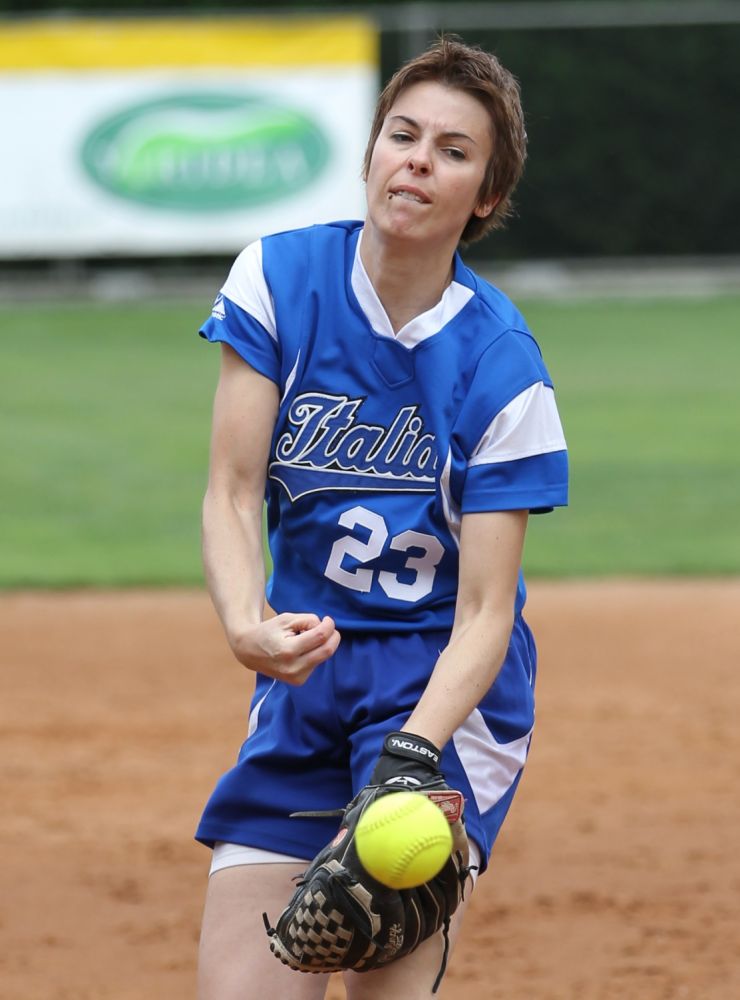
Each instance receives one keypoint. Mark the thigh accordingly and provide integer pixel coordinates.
(412, 977)
(389, 673)
(294, 760)
(486, 756)
(235, 961)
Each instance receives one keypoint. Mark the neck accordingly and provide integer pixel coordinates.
(407, 280)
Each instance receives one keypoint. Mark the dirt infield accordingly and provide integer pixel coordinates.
(616, 876)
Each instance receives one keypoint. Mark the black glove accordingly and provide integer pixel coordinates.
(342, 918)
(408, 761)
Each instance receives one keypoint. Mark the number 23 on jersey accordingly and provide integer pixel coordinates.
(424, 555)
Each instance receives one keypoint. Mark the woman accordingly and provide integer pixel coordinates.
(396, 412)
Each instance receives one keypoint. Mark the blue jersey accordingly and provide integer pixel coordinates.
(384, 440)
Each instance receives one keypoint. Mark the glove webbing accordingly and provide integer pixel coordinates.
(445, 935)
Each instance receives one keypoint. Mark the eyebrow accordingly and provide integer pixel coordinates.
(446, 135)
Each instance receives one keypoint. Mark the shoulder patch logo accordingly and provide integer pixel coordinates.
(219, 311)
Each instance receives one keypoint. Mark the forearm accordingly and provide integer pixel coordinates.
(464, 672)
(285, 646)
(233, 561)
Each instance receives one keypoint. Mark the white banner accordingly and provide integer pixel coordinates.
(163, 160)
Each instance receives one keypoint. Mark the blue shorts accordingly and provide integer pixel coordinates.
(313, 747)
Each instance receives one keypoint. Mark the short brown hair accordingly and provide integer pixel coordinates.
(469, 68)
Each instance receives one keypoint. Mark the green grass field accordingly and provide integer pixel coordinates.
(649, 392)
(104, 438)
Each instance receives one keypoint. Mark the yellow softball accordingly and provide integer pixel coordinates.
(403, 839)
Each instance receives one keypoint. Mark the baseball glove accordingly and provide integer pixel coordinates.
(342, 918)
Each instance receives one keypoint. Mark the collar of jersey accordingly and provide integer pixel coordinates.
(454, 299)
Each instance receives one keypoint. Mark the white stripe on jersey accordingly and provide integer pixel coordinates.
(528, 425)
(454, 298)
(453, 517)
(247, 288)
(254, 715)
(491, 767)
(291, 378)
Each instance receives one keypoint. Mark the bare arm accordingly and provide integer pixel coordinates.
(287, 646)
(491, 547)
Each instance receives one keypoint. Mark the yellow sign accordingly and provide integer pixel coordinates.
(138, 43)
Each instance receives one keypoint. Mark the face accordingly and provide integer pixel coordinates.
(428, 165)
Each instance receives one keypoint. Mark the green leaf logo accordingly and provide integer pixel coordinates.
(205, 152)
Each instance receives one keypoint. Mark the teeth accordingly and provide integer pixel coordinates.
(408, 196)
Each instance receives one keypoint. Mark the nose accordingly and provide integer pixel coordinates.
(419, 161)
(417, 166)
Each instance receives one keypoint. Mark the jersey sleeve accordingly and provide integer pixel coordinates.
(243, 315)
(516, 452)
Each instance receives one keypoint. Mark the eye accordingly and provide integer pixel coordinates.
(455, 153)
(401, 136)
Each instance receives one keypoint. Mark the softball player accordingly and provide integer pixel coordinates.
(395, 412)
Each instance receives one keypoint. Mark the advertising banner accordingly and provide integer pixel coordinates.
(170, 136)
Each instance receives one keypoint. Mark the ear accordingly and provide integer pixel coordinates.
(485, 208)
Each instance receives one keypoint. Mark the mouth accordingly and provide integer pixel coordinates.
(409, 194)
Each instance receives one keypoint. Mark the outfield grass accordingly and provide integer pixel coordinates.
(649, 392)
(104, 436)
